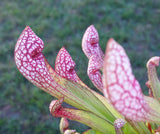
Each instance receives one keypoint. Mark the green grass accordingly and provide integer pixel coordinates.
(135, 25)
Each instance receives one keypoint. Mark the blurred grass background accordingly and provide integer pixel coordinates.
(134, 24)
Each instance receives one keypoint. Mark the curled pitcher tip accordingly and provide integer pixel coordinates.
(51, 105)
(153, 61)
(65, 66)
(152, 76)
(55, 105)
(91, 48)
(118, 123)
(90, 42)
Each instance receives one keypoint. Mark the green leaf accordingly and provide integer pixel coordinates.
(85, 117)
(92, 131)
(155, 107)
(137, 127)
(81, 97)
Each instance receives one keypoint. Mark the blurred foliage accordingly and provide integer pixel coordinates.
(134, 24)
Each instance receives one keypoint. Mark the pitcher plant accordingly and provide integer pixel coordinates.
(123, 109)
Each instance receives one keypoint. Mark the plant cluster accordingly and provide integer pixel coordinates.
(122, 109)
